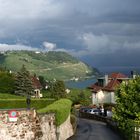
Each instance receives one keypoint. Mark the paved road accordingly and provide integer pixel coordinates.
(93, 130)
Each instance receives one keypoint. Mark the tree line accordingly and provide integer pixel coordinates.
(20, 83)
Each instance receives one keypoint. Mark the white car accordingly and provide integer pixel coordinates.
(94, 111)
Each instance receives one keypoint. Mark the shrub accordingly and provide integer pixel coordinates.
(61, 108)
(10, 96)
(21, 103)
(78, 96)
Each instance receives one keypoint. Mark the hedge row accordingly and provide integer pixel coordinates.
(21, 103)
(61, 108)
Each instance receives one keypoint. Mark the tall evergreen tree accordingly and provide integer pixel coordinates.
(23, 83)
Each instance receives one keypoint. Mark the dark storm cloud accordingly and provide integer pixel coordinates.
(107, 31)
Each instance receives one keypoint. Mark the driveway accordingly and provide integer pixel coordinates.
(93, 130)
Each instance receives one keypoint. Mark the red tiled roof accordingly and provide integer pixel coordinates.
(115, 80)
(117, 75)
(112, 85)
(95, 87)
(36, 82)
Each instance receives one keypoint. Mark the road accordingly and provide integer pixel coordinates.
(93, 130)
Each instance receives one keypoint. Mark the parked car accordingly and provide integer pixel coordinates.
(84, 109)
(94, 111)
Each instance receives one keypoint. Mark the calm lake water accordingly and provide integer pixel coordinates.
(80, 84)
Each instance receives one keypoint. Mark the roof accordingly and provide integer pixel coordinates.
(111, 86)
(95, 87)
(114, 80)
(36, 82)
(117, 76)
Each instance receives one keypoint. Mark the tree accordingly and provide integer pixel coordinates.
(23, 83)
(127, 110)
(6, 82)
(82, 98)
(42, 81)
(78, 96)
(57, 89)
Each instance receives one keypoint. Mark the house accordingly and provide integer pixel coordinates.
(37, 86)
(103, 91)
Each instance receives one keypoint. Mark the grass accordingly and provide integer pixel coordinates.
(61, 108)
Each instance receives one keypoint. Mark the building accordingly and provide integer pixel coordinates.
(103, 91)
(37, 86)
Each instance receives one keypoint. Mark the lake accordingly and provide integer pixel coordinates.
(80, 84)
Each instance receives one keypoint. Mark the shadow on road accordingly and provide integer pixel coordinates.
(93, 130)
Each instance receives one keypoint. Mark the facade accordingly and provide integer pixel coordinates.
(103, 91)
(37, 87)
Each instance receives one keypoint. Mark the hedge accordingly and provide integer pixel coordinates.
(21, 103)
(61, 108)
(10, 96)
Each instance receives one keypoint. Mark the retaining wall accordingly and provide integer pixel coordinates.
(23, 124)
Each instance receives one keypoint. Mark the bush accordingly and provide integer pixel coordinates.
(21, 103)
(78, 96)
(61, 108)
(10, 96)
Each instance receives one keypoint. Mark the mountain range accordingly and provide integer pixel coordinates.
(52, 64)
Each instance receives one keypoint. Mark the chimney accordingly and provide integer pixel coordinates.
(133, 74)
(106, 80)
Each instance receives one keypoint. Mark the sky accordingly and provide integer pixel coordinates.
(102, 33)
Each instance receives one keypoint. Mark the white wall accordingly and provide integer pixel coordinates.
(103, 97)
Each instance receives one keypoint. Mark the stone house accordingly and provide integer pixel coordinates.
(103, 91)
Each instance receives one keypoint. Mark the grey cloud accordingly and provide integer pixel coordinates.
(81, 27)
(106, 44)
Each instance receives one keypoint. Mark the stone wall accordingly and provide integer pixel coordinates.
(27, 125)
(65, 130)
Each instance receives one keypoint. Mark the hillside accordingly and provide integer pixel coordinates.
(58, 65)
